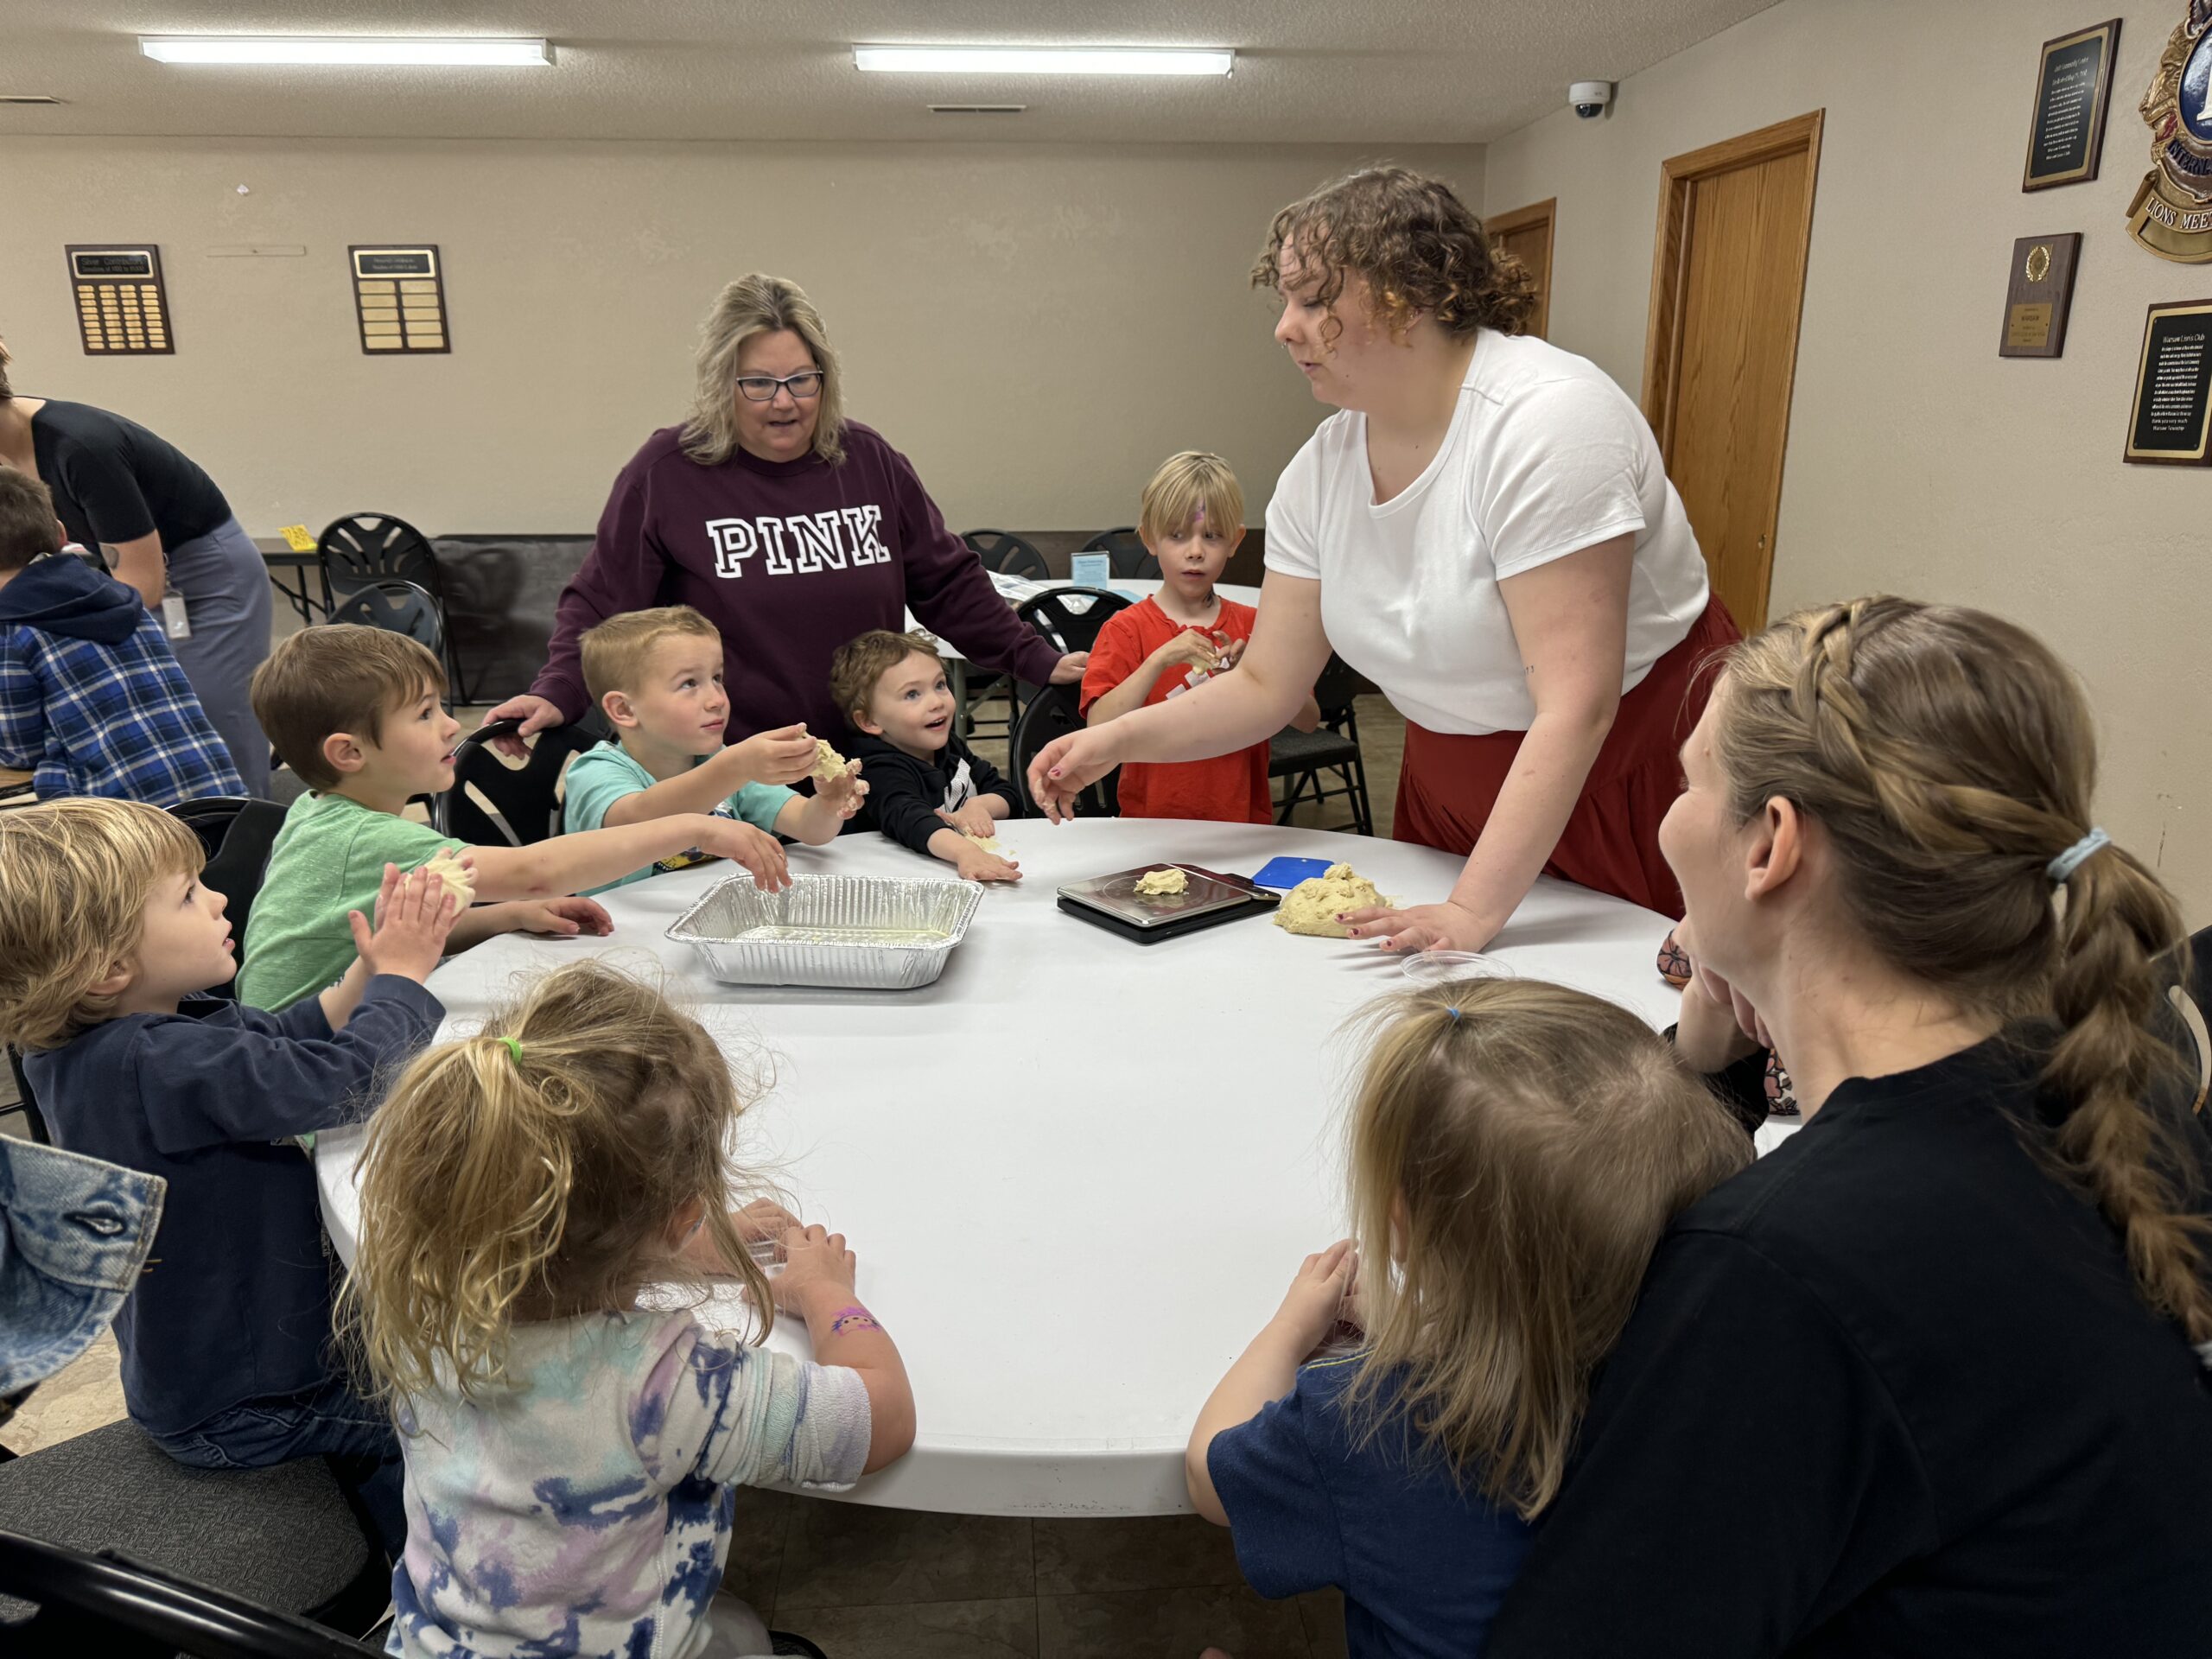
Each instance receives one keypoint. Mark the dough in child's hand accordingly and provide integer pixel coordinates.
(828, 763)
(1157, 883)
(988, 843)
(448, 868)
(1311, 906)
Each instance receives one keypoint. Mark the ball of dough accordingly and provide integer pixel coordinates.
(1157, 883)
(828, 763)
(1311, 906)
(459, 882)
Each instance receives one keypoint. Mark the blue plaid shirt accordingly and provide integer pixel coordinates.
(85, 717)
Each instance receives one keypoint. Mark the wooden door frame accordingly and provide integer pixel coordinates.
(1544, 212)
(1663, 344)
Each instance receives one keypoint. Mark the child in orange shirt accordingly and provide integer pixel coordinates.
(1192, 519)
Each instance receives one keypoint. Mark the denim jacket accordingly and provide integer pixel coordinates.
(73, 1235)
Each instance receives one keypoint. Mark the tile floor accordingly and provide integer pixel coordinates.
(872, 1584)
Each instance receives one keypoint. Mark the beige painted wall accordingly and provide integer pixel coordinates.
(1920, 462)
(1037, 327)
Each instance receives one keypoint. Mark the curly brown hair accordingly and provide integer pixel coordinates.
(1420, 247)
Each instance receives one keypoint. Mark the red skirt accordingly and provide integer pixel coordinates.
(1449, 783)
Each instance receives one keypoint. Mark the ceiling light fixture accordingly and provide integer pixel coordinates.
(1043, 61)
(343, 49)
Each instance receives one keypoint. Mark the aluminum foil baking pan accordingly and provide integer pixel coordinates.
(862, 933)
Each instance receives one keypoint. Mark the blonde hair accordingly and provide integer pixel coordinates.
(614, 651)
(538, 1181)
(1948, 757)
(1189, 486)
(337, 678)
(751, 305)
(859, 662)
(1539, 1139)
(6, 390)
(1418, 246)
(75, 878)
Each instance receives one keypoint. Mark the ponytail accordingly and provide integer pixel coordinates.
(2115, 919)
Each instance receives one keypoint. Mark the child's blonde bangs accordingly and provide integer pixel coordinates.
(1187, 487)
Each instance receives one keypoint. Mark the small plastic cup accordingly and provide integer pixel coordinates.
(1433, 967)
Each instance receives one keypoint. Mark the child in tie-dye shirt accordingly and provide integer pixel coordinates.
(572, 1460)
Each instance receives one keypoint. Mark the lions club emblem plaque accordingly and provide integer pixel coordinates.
(2171, 214)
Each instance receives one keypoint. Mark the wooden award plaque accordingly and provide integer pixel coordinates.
(2039, 296)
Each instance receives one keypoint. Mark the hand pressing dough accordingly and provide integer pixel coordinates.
(1311, 906)
(988, 843)
(828, 763)
(448, 868)
(1158, 883)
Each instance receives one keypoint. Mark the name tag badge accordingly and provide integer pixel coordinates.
(174, 622)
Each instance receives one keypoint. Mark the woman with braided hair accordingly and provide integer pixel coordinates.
(1485, 530)
(1929, 1379)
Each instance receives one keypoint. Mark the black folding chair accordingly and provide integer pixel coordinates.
(1309, 760)
(1130, 558)
(1051, 713)
(399, 606)
(1070, 619)
(363, 548)
(494, 805)
(1007, 553)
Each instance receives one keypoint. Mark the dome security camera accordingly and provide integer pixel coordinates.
(1588, 99)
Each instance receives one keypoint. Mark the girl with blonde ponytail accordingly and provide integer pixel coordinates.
(1970, 1296)
(569, 1453)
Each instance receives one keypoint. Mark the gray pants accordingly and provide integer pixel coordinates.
(225, 589)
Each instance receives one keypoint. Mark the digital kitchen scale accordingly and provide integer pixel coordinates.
(1114, 903)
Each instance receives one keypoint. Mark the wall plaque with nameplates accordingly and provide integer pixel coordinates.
(399, 295)
(123, 308)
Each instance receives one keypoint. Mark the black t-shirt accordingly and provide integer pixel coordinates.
(113, 481)
(1888, 1391)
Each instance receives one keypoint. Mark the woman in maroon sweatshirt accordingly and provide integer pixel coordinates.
(790, 527)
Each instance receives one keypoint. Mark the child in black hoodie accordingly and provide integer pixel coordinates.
(91, 699)
(927, 788)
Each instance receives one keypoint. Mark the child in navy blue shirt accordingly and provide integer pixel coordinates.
(226, 1339)
(1515, 1150)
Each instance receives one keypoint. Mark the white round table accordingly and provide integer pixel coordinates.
(1080, 1172)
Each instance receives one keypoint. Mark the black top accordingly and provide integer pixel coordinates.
(904, 794)
(113, 481)
(1965, 1435)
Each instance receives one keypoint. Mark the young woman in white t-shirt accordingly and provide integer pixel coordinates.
(1486, 531)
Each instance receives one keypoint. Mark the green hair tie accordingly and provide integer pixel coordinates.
(514, 1047)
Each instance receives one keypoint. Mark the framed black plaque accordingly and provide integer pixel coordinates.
(123, 305)
(2172, 419)
(2066, 135)
(399, 300)
(2039, 296)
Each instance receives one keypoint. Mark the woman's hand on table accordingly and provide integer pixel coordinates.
(783, 756)
(563, 918)
(535, 714)
(1069, 670)
(1067, 766)
(754, 849)
(1447, 926)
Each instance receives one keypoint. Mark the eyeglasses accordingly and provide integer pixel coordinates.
(763, 388)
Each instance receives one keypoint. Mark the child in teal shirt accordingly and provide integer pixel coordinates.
(657, 675)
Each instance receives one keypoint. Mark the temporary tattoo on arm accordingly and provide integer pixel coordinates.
(852, 1318)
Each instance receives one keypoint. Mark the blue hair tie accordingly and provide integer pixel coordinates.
(2061, 869)
(1454, 1012)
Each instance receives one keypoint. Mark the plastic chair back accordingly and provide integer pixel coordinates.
(237, 833)
(526, 799)
(396, 607)
(1007, 553)
(365, 547)
(1052, 714)
(1126, 550)
(1071, 617)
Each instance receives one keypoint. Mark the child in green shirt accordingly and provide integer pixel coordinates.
(657, 675)
(355, 712)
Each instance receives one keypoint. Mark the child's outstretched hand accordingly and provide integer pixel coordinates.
(756, 850)
(975, 864)
(783, 756)
(970, 819)
(843, 793)
(414, 914)
(1319, 1295)
(561, 918)
(815, 1263)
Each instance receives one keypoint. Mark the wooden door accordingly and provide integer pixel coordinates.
(1526, 234)
(1727, 285)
